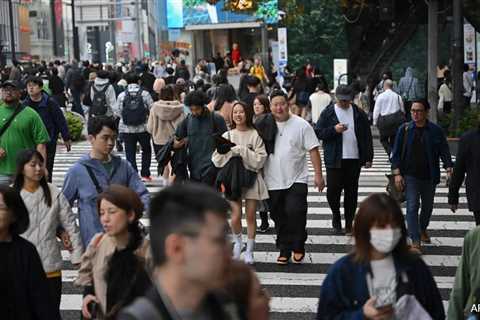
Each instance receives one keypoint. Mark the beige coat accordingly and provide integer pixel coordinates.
(95, 262)
(250, 147)
(164, 118)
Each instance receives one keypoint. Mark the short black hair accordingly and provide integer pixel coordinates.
(96, 124)
(102, 74)
(278, 93)
(132, 78)
(16, 206)
(423, 102)
(181, 209)
(196, 98)
(253, 81)
(35, 80)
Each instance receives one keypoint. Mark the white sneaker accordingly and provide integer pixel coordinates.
(237, 250)
(248, 257)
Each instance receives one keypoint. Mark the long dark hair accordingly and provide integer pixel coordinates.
(263, 99)
(248, 115)
(14, 203)
(124, 265)
(378, 209)
(23, 158)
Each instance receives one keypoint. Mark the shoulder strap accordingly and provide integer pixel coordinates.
(404, 144)
(7, 124)
(94, 179)
(214, 124)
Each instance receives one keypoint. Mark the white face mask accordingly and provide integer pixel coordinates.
(385, 240)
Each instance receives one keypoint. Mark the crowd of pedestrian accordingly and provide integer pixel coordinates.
(222, 154)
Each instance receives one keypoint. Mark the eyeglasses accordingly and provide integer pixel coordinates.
(417, 111)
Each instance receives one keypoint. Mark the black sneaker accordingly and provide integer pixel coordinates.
(263, 228)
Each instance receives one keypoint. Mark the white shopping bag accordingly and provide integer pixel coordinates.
(408, 308)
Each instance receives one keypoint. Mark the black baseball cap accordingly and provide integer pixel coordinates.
(344, 92)
(10, 83)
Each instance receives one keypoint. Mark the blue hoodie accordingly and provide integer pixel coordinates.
(79, 186)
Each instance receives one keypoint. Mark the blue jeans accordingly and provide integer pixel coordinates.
(415, 190)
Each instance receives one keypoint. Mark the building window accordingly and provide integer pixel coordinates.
(43, 32)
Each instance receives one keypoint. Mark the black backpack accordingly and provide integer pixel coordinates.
(134, 112)
(99, 102)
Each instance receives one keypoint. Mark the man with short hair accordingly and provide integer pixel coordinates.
(419, 145)
(25, 130)
(252, 84)
(191, 254)
(52, 117)
(94, 172)
(75, 82)
(132, 107)
(347, 146)
(388, 103)
(286, 177)
(196, 133)
(102, 96)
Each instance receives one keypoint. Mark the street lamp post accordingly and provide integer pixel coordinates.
(12, 29)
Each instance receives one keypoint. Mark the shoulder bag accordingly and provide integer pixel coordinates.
(7, 124)
(392, 190)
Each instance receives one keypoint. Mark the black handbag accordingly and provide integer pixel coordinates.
(388, 124)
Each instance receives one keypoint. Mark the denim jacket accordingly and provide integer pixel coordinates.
(344, 291)
(78, 186)
(435, 142)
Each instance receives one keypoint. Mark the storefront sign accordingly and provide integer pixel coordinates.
(469, 43)
(282, 47)
(203, 12)
(340, 69)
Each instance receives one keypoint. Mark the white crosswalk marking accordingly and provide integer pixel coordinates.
(295, 288)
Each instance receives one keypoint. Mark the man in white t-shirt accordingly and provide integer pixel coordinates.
(347, 146)
(286, 176)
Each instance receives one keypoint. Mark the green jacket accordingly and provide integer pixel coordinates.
(467, 278)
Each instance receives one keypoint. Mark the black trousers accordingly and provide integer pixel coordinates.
(51, 151)
(408, 106)
(387, 143)
(476, 214)
(131, 140)
(55, 288)
(288, 209)
(346, 179)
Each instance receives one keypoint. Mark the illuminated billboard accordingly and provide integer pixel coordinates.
(181, 13)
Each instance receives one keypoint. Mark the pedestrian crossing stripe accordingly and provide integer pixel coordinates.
(295, 288)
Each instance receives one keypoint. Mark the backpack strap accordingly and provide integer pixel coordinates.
(143, 309)
(404, 144)
(94, 179)
(7, 124)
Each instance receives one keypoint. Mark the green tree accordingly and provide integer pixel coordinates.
(316, 33)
